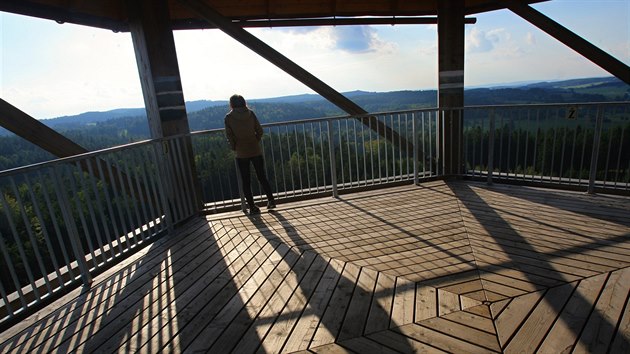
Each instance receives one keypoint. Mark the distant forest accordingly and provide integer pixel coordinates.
(102, 132)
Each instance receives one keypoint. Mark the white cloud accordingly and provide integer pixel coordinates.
(530, 39)
(480, 41)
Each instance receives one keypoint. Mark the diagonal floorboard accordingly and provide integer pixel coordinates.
(440, 267)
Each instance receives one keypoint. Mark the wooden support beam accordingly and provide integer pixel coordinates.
(154, 45)
(572, 40)
(451, 85)
(284, 63)
(156, 57)
(36, 132)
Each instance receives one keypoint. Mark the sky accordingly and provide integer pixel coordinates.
(49, 70)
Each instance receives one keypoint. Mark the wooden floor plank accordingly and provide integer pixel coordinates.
(447, 302)
(332, 348)
(598, 333)
(307, 324)
(563, 335)
(464, 332)
(251, 339)
(514, 314)
(540, 320)
(379, 315)
(328, 328)
(426, 303)
(367, 345)
(440, 340)
(621, 342)
(404, 300)
(295, 305)
(473, 320)
(481, 310)
(358, 309)
(400, 343)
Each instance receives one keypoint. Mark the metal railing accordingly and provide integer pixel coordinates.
(65, 220)
(314, 157)
(583, 146)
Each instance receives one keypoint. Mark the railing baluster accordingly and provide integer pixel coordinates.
(117, 231)
(414, 137)
(371, 151)
(143, 197)
(501, 129)
(79, 210)
(12, 272)
(132, 199)
(424, 149)
(356, 152)
(44, 230)
(308, 171)
(526, 145)
(282, 163)
(518, 144)
(491, 146)
(83, 187)
(99, 205)
(73, 234)
(606, 166)
(3, 292)
(386, 150)
(56, 227)
(333, 163)
(156, 153)
(599, 123)
(573, 145)
(150, 193)
(553, 147)
(31, 237)
(618, 168)
(321, 145)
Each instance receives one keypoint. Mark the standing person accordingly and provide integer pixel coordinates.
(244, 133)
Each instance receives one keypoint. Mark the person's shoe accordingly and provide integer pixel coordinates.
(271, 205)
(254, 210)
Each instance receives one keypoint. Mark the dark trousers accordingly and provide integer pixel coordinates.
(259, 167)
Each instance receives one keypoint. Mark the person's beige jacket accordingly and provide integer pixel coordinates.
(243, 132)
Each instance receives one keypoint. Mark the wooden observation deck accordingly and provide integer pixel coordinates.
(456, 267)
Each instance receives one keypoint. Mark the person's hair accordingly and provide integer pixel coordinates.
(237, 101)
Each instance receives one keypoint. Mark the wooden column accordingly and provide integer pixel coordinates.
(154, 45)
(150, 26)
(451, 85)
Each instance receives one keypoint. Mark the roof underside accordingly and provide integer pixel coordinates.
(112, 14)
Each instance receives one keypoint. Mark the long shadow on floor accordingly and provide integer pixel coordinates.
(332, 296)
(606, 329)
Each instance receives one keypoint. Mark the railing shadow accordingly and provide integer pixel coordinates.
(331, 322)
(148, 306)
(483, 212)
